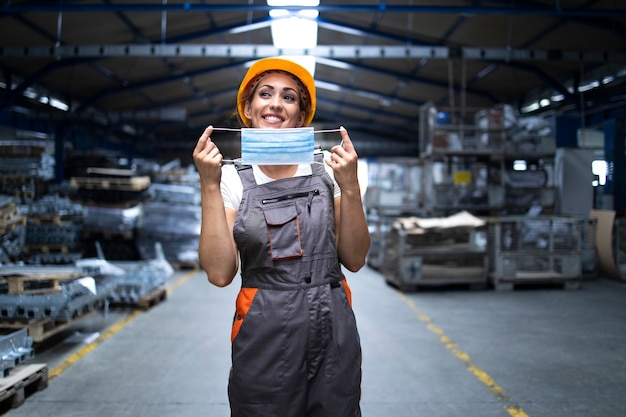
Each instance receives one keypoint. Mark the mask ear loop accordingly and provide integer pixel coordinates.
(237, 160)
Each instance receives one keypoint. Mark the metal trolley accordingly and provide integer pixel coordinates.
(536, 250)
(416, 258)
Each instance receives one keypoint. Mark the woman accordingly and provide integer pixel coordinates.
(295, 345)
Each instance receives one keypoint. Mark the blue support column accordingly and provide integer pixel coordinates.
(615, 155)
(566, 131)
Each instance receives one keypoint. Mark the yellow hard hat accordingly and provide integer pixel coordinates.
(277, 64)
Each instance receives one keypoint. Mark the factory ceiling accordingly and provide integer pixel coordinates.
(155, 73)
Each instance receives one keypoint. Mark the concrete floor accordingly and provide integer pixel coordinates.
(540, 352)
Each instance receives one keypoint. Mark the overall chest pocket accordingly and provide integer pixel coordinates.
(283, 231)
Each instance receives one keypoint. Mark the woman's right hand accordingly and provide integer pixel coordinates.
(208, 158)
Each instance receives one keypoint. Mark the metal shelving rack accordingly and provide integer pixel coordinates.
(392, 191)
(469, 156)
(463, 156)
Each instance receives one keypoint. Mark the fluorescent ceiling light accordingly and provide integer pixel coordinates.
(294, 29)
(519, 165)
(284, 3)
(588, 86)
(282, 13)
(531, 107)
(30, 93)
(59, 104)
(294, 33)
(608, 79)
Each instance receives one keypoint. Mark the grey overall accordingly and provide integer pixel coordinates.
(295, 345)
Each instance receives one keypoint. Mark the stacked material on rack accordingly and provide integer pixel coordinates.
(111, 186)
(115, 228)
(53, 230)
(531, 135)
(112, 220)
(132, 281)
(175, 194)
(12, 230)
(26, 158)
(113, 208)
(48, 292)
(172, 217)
(16, 348)
(26, 168)
(436, 251)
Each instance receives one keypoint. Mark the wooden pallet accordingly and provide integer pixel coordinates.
(147, 301)
(182, 265)
(56, 219)
(6, 227)
(153, 298)
(31, 248)
(41, 329)
(8, 213)
(46, 283)
(111, 183)
(22, 381)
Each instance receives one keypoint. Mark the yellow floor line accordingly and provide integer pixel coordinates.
(513, 409)
(59, 369)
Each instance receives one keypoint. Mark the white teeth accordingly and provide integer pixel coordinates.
(273, 119)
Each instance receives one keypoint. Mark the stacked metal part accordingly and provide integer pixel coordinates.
(172, 217)
(114, 228)
(45, 294)
(12, 230)
(25, 158)
(54, 222)
(15, 348)
(113, 220)
(131, 280)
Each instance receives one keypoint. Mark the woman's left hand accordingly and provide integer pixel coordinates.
(343, 160)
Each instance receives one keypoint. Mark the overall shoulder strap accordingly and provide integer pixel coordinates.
(246, 175)
(317, 167)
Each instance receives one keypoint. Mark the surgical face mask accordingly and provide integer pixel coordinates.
(277, 146)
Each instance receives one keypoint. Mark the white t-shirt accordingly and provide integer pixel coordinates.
(232, 188)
